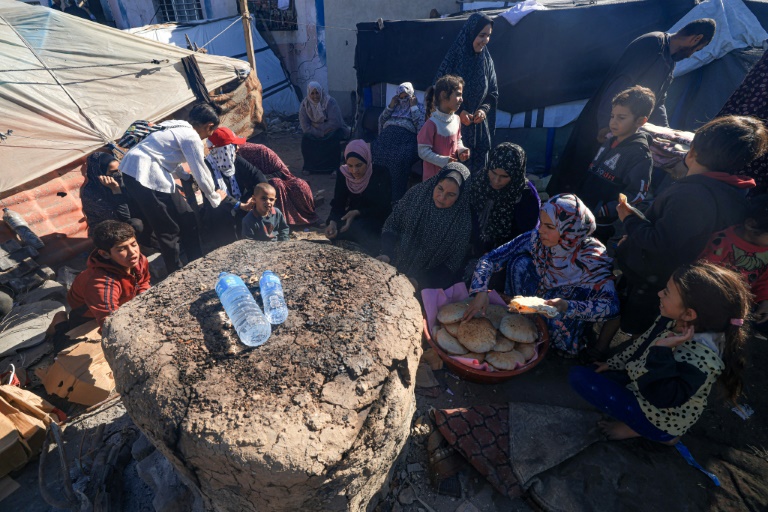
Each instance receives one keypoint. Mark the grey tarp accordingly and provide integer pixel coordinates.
(68, 86)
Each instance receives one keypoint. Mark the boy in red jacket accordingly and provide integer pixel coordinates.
(116, 273)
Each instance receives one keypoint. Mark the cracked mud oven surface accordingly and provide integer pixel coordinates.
(312, 419)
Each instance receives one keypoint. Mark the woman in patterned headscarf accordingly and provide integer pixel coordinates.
(504, 203)
(469, 58)
(238, 166)
(427, 235)
(395, 148)
(559, 262)
(323, 126)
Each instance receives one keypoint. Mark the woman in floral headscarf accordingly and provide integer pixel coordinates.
(323, 126)
(396, 148)
(559, 262)
(504, 203)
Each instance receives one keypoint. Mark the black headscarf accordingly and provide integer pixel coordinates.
(495, 209)
(96, 198)
(430, 236)
(479, 76)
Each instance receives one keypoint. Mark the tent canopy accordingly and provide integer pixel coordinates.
(225, 37)
(69, 86)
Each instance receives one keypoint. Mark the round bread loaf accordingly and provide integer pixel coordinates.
(451, 313)
(503, 344)
(532, 305)
(449, 343)
(477, 335)
(527, 349)
(518, 329)
(495, 313)
(475, 355)
(505, 360)
(453, 329)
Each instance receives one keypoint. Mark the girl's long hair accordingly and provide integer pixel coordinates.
(445, 84)
(718, 295)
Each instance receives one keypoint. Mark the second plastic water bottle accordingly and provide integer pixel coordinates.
(272, 297)
(17, 223)
(251, 325)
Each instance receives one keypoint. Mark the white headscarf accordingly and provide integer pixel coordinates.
(222, 160)
(316, 111)
(403, 107)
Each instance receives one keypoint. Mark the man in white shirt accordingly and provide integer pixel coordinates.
(148, 174)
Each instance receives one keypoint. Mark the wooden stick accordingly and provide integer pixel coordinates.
(248, 36)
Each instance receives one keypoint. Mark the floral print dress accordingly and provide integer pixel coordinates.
(577, 270)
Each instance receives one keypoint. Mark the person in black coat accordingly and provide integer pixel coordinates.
(361, 201)
(623, 164)
(104, 197)
(682, 219)
(649, 61)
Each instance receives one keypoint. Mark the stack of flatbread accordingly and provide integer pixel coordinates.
(502, 339)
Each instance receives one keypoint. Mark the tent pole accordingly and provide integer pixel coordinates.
(247, 32)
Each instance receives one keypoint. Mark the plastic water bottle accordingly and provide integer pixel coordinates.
(272, 298)
(17, 223)
(250, 323)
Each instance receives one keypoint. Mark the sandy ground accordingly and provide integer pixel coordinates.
(547, 383)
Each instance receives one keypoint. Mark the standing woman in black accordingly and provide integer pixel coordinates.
(469, 58)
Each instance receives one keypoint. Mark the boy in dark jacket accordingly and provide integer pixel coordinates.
(116, 273)
(685, 215)
(265, 222)
(623, 164)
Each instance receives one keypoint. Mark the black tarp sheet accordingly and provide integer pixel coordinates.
(697, 97)
(549, 57)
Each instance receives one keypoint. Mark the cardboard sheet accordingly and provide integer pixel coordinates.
(80, 374)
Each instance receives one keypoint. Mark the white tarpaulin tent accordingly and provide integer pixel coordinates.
(68, 86)
(225, 37)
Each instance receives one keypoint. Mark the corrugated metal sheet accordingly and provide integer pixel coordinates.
(52, 208)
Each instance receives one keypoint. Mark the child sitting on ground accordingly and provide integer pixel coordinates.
(658, 386)
(440, 138)
(744, 248)
(265, 222)
(623, 163)
(116, 273)
(684, 216)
